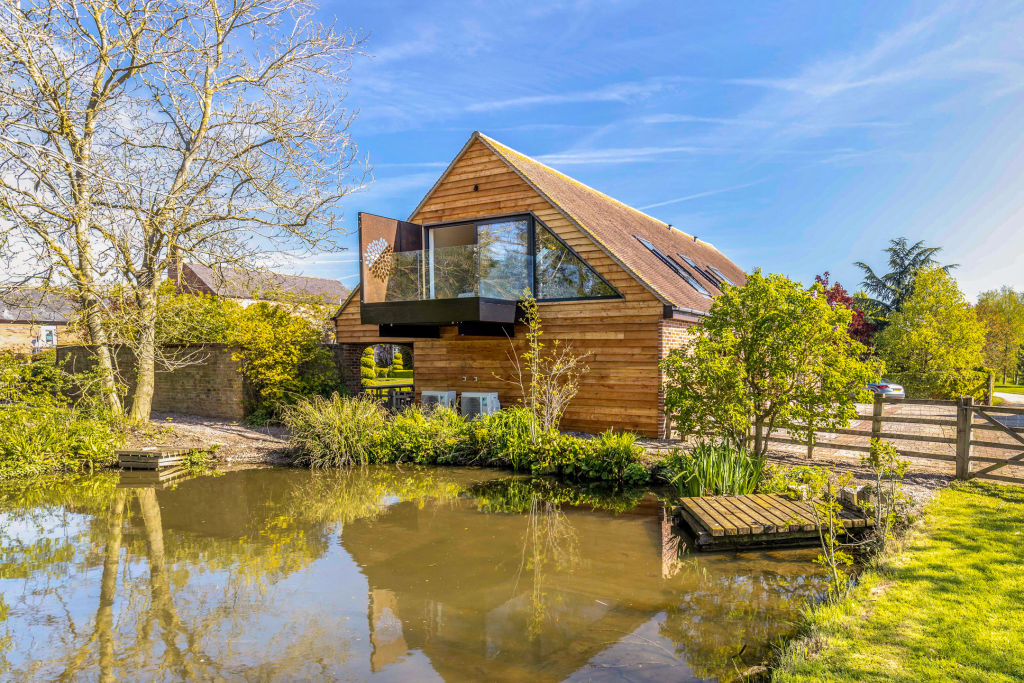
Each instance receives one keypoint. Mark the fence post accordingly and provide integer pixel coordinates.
(964, 422)
(876, 419)
(991, 387)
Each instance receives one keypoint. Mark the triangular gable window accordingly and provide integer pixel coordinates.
(561, 274)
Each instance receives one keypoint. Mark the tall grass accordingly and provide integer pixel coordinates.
(712, 469)
(335, 431)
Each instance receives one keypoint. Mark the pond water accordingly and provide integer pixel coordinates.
(386, 573)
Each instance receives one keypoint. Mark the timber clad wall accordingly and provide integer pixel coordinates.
(212, 388)
(622, 337)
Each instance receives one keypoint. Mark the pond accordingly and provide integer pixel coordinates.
(383, 573)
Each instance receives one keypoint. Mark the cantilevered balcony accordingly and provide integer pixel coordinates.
(445, 275)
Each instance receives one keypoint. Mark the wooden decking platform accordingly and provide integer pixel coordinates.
(150, 457)
(756, 519)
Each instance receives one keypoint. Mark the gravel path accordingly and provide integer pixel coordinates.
(239, 443)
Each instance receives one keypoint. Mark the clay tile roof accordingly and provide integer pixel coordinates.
(614, 226)
(241, 284)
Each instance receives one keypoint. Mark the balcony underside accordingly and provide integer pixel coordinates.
(473, 316)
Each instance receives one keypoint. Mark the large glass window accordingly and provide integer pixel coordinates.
(561, 274)
(505, 268)
(489, 259)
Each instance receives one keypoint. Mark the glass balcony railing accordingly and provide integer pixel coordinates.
(457, 272)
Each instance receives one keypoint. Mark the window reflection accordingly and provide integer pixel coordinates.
(561, 274)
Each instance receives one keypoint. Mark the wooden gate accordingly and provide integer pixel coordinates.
(995, 421)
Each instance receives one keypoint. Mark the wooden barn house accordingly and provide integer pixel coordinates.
(610, 281)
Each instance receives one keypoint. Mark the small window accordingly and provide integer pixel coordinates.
(562, 274)
(676, 268)
(723, 278)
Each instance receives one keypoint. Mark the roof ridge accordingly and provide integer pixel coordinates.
(591, 189)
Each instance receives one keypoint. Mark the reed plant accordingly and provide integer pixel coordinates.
(335, 431)
(712, 469)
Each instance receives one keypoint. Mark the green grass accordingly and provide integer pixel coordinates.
(950, 607)
(1010, 388)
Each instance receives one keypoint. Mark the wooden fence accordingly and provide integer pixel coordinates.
(975, 441)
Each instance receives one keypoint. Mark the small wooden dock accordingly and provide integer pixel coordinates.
(757, 520)
(150, 457)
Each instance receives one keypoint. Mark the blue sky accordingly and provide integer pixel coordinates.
(796, 137)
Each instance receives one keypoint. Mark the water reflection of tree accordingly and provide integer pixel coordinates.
(337, 497)
(148, 611)
(549, 545)
(730, 611)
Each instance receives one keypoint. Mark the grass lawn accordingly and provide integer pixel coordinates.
(950, 607)
(1010, 388)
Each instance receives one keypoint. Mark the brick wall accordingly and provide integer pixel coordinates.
(213, 387)
(673, 334)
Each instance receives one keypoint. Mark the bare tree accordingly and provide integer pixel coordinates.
(229, 143)
(66, 67)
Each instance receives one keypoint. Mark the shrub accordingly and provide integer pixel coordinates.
(440, 435)
(712, 469)
(334, 432)
(398, 362)
(367, 365)
(340, 432)
(800, 480)
(614, 456)
(283, 358)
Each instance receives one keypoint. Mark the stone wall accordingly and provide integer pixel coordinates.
(211, 387)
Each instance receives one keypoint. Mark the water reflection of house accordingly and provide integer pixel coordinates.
(543, 608)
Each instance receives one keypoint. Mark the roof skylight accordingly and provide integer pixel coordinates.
(676, 268)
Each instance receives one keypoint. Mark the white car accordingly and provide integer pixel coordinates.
(886, 388)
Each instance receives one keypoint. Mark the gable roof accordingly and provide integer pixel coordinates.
(614, 226)
(235, 283)
(30, 305)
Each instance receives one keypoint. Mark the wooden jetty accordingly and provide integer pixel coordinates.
(757, 520)
(150, 457)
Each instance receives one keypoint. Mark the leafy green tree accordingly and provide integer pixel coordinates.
(769, 355)
(1002, 312)
(933, 344)
(887, 292)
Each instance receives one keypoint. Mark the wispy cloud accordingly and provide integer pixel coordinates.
(707, 193)
(616, 92)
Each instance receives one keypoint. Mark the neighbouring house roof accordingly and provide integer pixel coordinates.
(235, 283)
(614, 225)
(30, 305)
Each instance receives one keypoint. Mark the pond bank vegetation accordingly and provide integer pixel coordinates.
(350, 431)
(944, 605)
